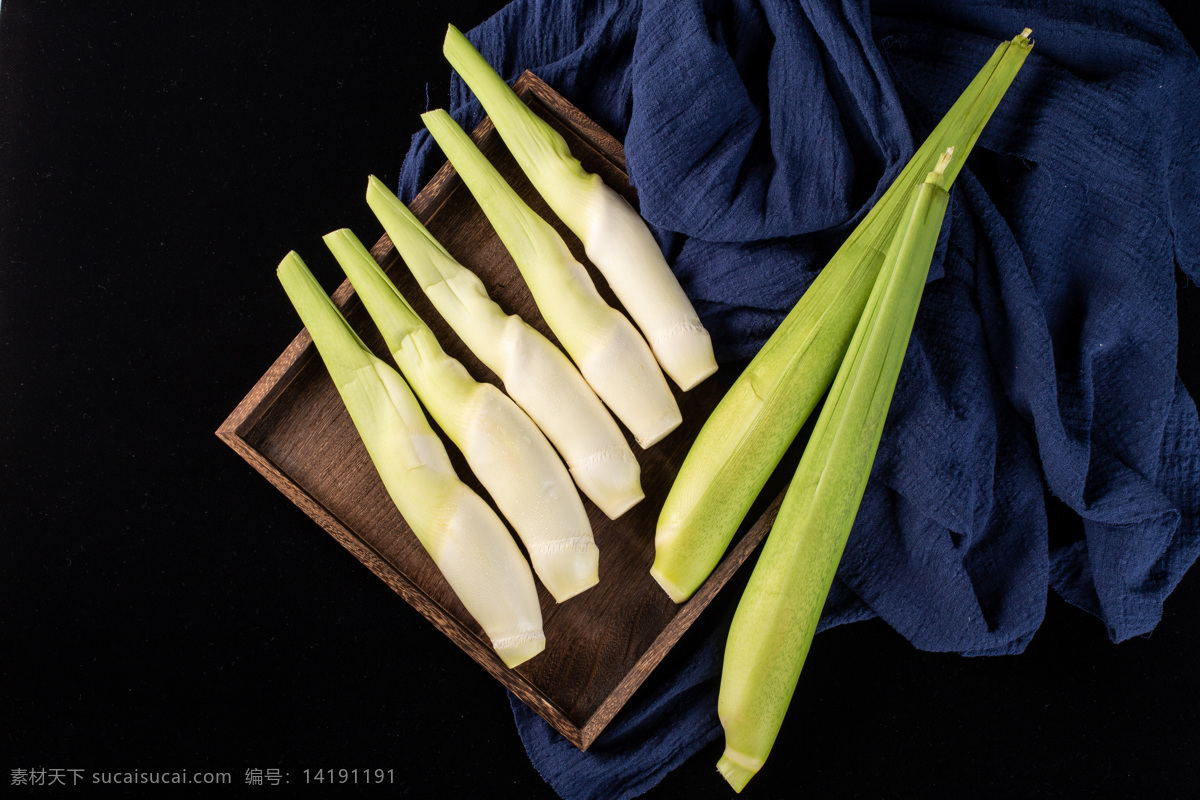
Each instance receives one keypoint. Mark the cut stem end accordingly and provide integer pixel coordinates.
(516, 650)
(670, 587)
(617, 506)
(734, 768)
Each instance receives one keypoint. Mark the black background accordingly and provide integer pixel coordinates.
(167, 609)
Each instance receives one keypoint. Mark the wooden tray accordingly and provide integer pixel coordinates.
(293, 428)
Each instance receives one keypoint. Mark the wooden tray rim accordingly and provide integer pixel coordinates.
(269, 387)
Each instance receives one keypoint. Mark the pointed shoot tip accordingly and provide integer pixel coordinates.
(944, 161)
(378, 191)
(434, 113)
(453, 41)
(290, 261)
(937, 176)
(340, 233)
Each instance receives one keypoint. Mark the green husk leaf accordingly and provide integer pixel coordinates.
(747, 434)
(775, 620)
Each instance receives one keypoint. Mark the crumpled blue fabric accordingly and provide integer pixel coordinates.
(1043, 361)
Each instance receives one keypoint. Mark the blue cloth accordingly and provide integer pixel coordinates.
(1044, 354)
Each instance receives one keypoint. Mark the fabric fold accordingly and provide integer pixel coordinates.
(1044, 357)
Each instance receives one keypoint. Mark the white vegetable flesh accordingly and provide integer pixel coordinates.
(535, 373)
(465, 539)
(613, 357)
(505, 450)
(614, 235)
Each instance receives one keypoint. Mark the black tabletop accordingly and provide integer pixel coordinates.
(167, 610)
